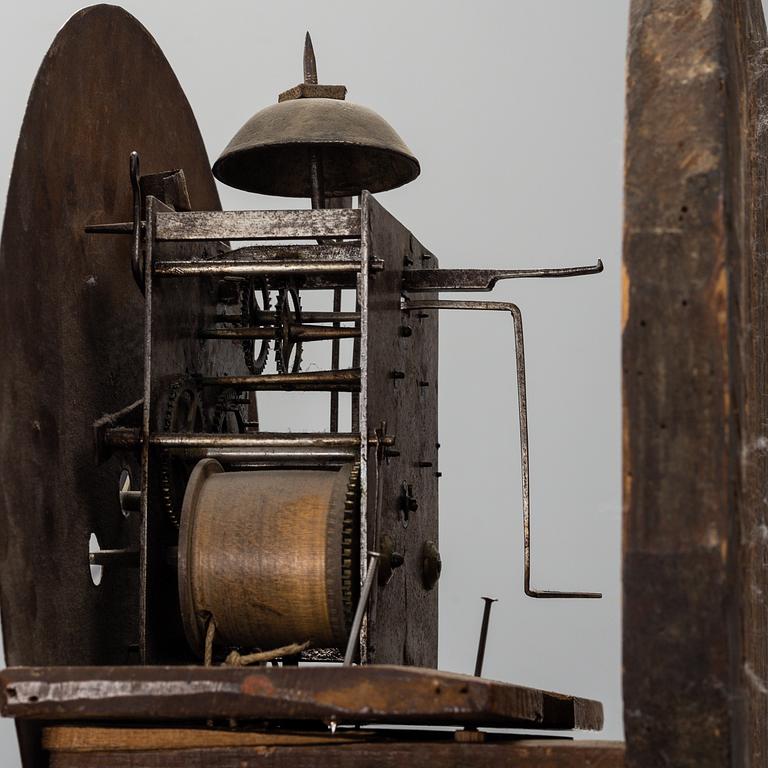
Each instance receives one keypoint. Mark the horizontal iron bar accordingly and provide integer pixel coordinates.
(129, 557)
(268, 318)
(130, 438)
(296, 332)
(292, 440)
(119, 228)
(257, 225)
(296, 252)
(269, 455)
(312, 317)
(311, 381)
(241, 268)
(424, 280)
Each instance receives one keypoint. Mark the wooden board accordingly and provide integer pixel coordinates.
(71, 321)
(695, 411)
(443, 754)
(77, 738)
(71, 330)
(432, 750)
(359, 694)
(402, 626)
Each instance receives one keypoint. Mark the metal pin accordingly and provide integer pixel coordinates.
(362, 604)
(122, 557)
(489, 601)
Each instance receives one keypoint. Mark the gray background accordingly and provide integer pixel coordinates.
(515, 110)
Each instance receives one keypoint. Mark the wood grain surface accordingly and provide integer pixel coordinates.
(695, 411)
(509, 753)
(357, 694)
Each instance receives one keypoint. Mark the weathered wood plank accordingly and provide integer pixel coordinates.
(258, 225)
(502, 753)
(694, 356)
(366, 694)
(67, 738)
(675, 378)
(403, 613)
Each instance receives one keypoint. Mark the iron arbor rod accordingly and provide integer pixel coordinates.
(242, 268)
(310, 381)
(264, 440)
(298, 332)
(268, 318)
(271, 455)
(362, 605)
(122, 557)
(130, 438)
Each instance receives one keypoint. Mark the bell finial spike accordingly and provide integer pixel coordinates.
(310, 64)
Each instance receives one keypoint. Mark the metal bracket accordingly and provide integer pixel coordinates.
(522, 407)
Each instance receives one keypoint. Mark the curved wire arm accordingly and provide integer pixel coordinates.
(522, 410)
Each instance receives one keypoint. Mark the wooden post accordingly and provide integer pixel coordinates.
(695, 389)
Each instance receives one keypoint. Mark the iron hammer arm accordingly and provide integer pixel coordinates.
(429, 280)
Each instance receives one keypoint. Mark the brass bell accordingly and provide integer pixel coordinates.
(274, 152)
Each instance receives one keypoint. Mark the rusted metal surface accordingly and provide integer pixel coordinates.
(252, 225)
(695, 326)
(261, 554)
(360, 694)
(431, 280)
(245, 268)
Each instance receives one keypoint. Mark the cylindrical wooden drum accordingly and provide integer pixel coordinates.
(268, 555)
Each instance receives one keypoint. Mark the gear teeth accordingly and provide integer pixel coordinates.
(167, 486)
(220, 411)
(282, 359)
(255, 364)
(351, 507)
